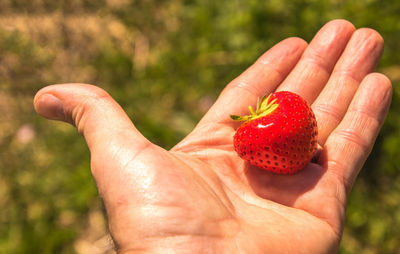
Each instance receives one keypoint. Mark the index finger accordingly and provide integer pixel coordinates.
(259, 79)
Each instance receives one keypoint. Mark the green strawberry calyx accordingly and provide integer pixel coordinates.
(263, 108)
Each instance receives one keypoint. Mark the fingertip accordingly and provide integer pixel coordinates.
(286, 51)
(380, 85)
(380, 78)
(373, 96)
(331, 33)
(294, 43)
(368, 39)
(43, 90)
(49, 106)
(297, 41)
(341, 23)
(371, 33)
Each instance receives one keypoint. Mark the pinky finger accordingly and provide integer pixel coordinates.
(349, 145)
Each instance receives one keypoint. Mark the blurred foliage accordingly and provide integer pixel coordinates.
(150, 55)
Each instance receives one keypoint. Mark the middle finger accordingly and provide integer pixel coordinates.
(314, 68)
(359, 58)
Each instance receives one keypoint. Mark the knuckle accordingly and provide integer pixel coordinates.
(95, 97)
(326, 111)
(354, 140)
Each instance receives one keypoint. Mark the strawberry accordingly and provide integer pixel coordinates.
(280, 136)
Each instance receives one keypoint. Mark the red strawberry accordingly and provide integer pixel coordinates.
(280, 136)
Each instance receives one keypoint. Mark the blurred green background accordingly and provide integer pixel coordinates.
(165, 62)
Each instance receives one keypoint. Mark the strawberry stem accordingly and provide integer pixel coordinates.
(264, 107)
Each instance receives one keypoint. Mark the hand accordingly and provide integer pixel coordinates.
(200, 197)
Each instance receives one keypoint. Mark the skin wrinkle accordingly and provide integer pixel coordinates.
(130, 157)
(352, 148)
(242, 194)
(202, 148)
(295, 83)
(79, 111)
(361, 124)
(351, 135)
(217, 128)
(228, 207)
(329, 112)
(201, 228)
(332, 112)
(319, 62)
(338, 194)
(346, 73)
(335, 169)
(314, 70)
(306, 213)
(365, 114)
(342, 84)
(244, 85)
(258, 202)
(197, 142)
(317, 215)
(138, 174)
(198, 150)
(183, 242)
(269, 66)
(214, 161)
(370, 44)
(223, 122)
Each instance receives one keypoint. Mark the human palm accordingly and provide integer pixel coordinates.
(200, 197)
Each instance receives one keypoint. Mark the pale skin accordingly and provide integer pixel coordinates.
(200, 197)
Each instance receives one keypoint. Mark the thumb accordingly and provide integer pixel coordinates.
(109, 133)
(91, 109)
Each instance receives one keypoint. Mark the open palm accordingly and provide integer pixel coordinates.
(200, 197)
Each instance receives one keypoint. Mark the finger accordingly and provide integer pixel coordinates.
(359, 58)
(314, 68)
(108, 131)
(349, 145)
(259, 79)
